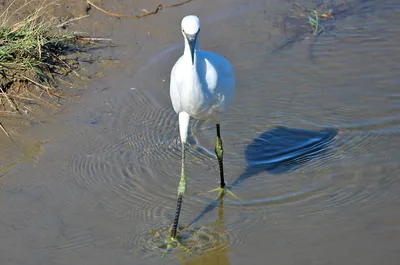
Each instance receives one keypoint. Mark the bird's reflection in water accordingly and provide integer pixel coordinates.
(192, 241)
(219, 256)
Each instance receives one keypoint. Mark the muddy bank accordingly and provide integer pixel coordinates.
(46, 78)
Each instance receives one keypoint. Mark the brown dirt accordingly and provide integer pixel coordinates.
(37, 111)
(66, 9)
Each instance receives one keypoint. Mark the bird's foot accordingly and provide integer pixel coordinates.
(169, 244)
(173, 243)
(221, 192)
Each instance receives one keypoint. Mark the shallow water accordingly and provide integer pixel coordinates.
(311, 147)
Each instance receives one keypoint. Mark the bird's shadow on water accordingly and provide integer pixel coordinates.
(278, 151)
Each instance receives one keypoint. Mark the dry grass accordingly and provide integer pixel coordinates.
(33, 52)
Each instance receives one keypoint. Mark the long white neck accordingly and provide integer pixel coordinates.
(192, 79)
(187, 55)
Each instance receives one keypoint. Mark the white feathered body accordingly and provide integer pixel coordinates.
(202, 90)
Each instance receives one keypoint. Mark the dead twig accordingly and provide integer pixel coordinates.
(155, 11)
(91, 39)
(7, 113)
(41, 99)
(8, 135)
(43, 86)
(70, 20)
(8, 99)
(21, 98)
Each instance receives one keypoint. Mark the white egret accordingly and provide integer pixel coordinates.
(202, 86)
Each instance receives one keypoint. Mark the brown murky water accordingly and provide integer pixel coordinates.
(312, 148)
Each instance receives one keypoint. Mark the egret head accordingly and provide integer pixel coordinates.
(190, 30)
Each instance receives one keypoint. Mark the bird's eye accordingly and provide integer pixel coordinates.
(183, 30)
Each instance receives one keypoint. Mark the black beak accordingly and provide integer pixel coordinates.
(192, 43)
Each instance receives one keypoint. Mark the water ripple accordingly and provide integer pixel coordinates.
(296, 146)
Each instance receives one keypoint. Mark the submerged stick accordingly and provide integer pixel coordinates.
(93, 39)
(8, 135)
(155, 11)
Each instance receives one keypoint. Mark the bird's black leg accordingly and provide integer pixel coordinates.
(219, 151)
(177, 213)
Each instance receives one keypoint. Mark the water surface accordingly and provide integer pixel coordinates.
(311, 147)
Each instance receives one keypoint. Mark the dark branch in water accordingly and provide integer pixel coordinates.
(155, 11)
(8, 135)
